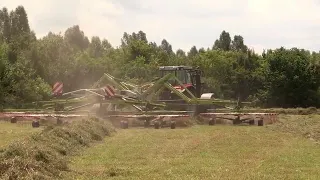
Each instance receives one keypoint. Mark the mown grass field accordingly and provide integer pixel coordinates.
(10, 132)
(45, 155)
(287, 150)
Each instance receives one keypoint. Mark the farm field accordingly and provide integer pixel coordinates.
(67, 96)
(10, 132)
(288, 149)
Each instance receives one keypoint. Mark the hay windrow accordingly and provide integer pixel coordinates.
(307, 126)
(43, 155)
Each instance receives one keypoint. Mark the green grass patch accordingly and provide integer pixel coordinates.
(10, 132)
(43, 155)
(200, 152)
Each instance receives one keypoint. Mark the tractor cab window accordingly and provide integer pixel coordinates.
(181, 76)
(184, 76)
(164, 73)
(188, 80)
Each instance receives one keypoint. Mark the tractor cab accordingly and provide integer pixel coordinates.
(181, 72)
(188, 76)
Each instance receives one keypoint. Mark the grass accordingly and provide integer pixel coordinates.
(44, 155)
(204, 152)
(288, 149)
(289, 111)
(10, 132)
(307, 126)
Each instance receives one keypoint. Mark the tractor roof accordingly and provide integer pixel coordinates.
(172, 68)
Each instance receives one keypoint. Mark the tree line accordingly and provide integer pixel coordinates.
(29, 66)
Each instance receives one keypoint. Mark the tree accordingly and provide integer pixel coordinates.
(289, 79)
(193, 52)
(166, 46)
(202, 50)
(5, 25)
(76, 38)
(20, 17)
(106, 45)
(136, 45)
(95, 47)
(180, 53)
(238, 44)
(30, 66)
(224, 42)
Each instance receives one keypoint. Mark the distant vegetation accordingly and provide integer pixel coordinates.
(29, 66)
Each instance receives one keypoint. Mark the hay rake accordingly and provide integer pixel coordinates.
(176, 94)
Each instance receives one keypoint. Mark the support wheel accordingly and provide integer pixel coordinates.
(124, 124)
(173, 125)
(260, 123)
(163, 124)
(212, 121)
(13, 120)
(237, 121)
(251, 122)
(146, 123)
(121, 124)
(157, 125)
(35, 124)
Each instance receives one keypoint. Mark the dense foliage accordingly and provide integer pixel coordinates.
(29, 66)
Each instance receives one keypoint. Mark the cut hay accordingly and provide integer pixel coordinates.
(43, 155)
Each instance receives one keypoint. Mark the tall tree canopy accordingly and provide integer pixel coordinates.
(29, 66)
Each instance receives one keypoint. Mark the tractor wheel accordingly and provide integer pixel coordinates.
(35, 124)
(237, 121)
(146, 123)
(13, 120)
(251, 122)
(157, 125)
(121, 124)
(260, 123)
(125, 124)
(163, 124)
(212, 121)
(173, 125)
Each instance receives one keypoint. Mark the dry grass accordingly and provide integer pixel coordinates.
(202, 152)
(288, 149)
(289, 111)
(43, 155)
(10, 132)
(307, 126)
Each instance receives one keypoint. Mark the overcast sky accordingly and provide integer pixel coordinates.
(263, 23)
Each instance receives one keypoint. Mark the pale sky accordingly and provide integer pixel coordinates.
(264, 24)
